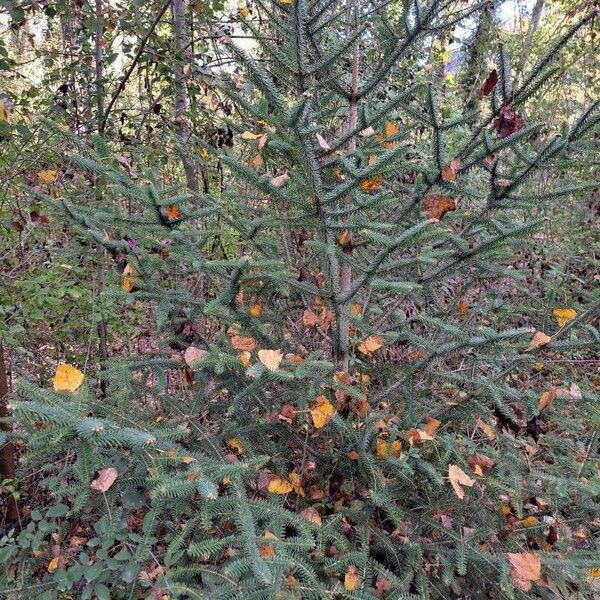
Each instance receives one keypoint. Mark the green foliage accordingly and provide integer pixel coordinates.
(196, 446)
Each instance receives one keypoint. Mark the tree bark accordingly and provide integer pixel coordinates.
(343, 326)
(182, 100)
(7, 451)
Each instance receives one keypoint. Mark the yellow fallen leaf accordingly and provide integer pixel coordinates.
(270, 358)
(53, 564)
(321, 412)
(245, 358)
(382, 449)
(67, 378)
(47, 176)
(236, 445)
(297, 484)
(4, 112)
(487, 429)
(129, 279)
(352, 579)
(594, 572)
(458, 478)
(278, 485)
(564, 315)
(248, 135)
(370, 344)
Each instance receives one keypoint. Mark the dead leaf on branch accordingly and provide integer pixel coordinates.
(489, 84)
(436, 207)
(67, 378)
(105, 479)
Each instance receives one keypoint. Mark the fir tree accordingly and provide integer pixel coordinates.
(334, 417)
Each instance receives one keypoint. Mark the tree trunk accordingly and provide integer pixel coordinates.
(181, 90)
(7, 451)
(343, 325)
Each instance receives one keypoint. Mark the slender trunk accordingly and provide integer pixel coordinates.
(7, 451)
(536, 15)
(99, 85)
(343, 325)
(181, 90)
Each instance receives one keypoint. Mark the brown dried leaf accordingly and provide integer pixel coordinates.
(240, 342)
(105, 479)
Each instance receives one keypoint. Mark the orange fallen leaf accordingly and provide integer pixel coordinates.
(105, 479)
(546, 399)
(436, 207)
(525, 568)
(309, 318)
(458, 478)
(538, 340)
(256, 162)
(370, 344)
(432, 425)
(450, 172)
(371, 184)
(321, 412)
(270, 358)
(173, 212)
(67, 378)
(489, 431)
(256, 310)
(48, 176)
(416, 436)
(463, 308)
(245, 358)
(296, 483)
